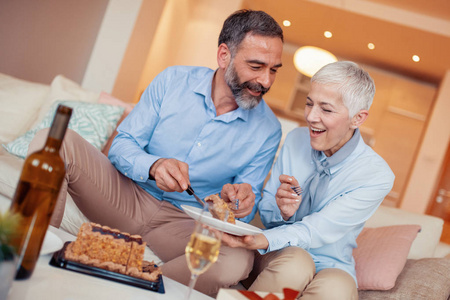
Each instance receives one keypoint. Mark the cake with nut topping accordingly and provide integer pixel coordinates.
(112, 250)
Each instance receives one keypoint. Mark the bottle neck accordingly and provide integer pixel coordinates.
(58, 128)
(59, 125)
(52, 145)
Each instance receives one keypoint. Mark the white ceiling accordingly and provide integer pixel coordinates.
(398, 28)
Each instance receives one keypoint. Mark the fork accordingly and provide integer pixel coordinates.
(297, 189)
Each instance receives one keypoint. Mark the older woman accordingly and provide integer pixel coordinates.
(311, 234)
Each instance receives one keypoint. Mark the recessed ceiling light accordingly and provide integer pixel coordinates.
(287, 23)
(416, 58)
(327, 34)
(371, 46)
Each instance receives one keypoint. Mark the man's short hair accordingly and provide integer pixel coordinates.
(355, 85)
(242, 22)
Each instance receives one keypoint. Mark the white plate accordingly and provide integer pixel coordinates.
(240, 228)
(51, 243)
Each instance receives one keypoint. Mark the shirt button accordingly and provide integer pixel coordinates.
(199, 144)
(126, 174)
(142, 178)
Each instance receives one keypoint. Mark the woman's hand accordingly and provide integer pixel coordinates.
(287, 200)
(239, 193)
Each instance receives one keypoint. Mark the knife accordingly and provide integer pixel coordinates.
(191, 192)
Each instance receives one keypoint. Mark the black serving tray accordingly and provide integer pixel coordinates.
(58, 260)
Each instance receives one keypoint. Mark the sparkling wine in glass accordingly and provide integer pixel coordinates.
(202, 250)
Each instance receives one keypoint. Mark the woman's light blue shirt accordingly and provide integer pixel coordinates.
(357, 187)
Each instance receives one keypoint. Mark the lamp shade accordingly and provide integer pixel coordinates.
(309, 59)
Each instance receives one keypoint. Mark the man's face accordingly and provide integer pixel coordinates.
(330, 126)
(252, 71)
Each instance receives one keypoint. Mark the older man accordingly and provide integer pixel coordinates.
(192, 125)
(325, 184)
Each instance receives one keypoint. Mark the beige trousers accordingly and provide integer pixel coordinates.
(293, 267)
(107, 197)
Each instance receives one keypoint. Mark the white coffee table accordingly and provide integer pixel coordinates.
(48, 283)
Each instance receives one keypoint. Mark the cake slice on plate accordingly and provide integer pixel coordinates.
(218, 208)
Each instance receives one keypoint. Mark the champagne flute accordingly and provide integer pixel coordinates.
(202, 250)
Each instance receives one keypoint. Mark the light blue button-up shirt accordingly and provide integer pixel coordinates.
(176, 118)
(357, 187)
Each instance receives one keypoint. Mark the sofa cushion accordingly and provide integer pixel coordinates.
(73, 218)
(106, 98)
(94, 122)
(11, 167)
(381, 255)
(63, 88)
(20, 101)
(426, 278)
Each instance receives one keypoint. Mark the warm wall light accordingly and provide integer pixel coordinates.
(416, 58)
(287, 23)
(371, 46)
(327, 34)
(309, 59)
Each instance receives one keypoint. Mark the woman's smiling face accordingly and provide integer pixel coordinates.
(330, 126)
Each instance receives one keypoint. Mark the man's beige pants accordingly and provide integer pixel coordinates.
(107, 197)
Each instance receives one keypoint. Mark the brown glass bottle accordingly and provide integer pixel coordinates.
(37, 192)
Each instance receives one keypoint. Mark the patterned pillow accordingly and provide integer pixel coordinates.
(94, 122)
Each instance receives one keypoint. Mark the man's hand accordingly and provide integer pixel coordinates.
(243, 192)
(171, 175)
(252, 242)
(287, 200)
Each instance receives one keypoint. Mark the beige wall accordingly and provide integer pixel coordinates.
(186, 35)
(136, 54)
(111, 44)
(41, 39)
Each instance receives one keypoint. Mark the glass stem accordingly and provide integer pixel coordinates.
(191, 285)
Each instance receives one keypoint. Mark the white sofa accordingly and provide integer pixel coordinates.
(24, 105)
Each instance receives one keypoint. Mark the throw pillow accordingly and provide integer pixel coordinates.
(64, 88)
(381, 255)
(20, 101)
(94, 122)
(106, 98)
(426, 278)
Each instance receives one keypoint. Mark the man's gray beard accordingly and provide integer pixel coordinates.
(247, 103)
(243, 99)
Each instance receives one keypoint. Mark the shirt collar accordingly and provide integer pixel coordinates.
(358, 143)
(204, 87)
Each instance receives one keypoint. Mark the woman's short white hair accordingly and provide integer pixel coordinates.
(355, 85)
